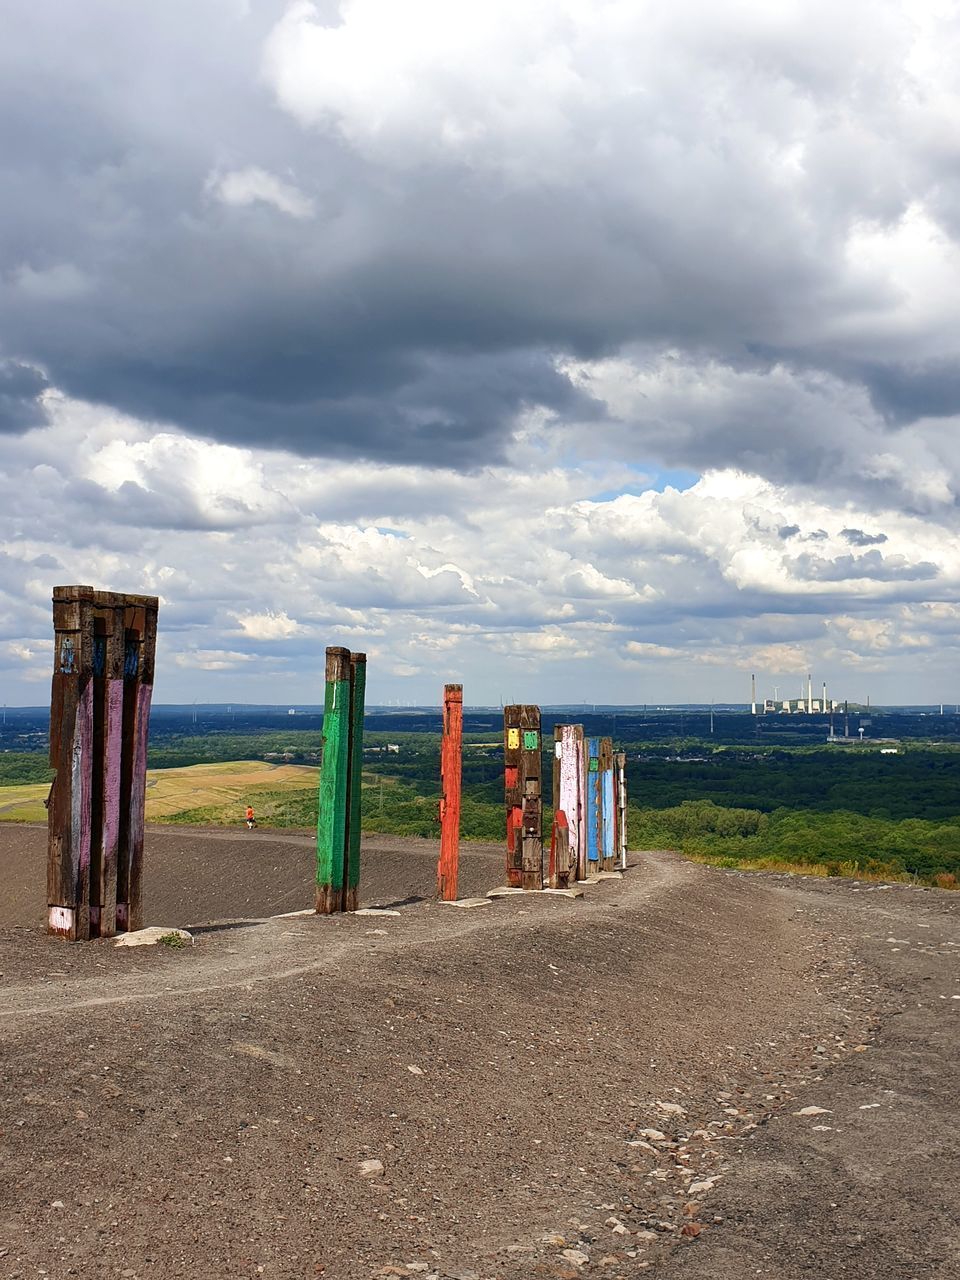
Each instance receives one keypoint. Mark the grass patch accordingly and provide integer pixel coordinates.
(173, 940)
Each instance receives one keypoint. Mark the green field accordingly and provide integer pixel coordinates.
(282, 795)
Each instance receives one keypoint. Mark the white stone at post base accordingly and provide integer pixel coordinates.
(150, 937)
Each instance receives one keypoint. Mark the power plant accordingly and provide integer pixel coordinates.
(803, 705)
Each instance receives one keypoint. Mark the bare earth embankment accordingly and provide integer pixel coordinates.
(605, 1087)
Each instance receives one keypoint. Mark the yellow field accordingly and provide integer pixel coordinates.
(224, 790)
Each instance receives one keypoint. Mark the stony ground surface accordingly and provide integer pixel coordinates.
(607, 1087)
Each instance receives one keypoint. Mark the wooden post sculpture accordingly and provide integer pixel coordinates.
(620, 777)
(104, 656)
(358, 692)
(513, 793)
(563, 864)
(451, 754)
(568, 794)
(592, 786)
(608, 808)
(341, 771)
(524, 802)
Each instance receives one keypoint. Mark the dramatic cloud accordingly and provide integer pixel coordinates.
(499, 578)
(708, 236)
(311, 315)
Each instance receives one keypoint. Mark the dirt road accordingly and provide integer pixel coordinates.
(603, 1087)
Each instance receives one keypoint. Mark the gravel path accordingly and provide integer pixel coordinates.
(601, 1087)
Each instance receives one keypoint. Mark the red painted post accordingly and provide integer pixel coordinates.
(451, 756)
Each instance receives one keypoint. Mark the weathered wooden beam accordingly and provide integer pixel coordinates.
(594, 804)
(513, 794)
(608, 825)
(451, 768)
(358, 686)
(140, 644)
(95, 821)
(522, 786)
(562, 873)
(568, 791)
(620, 777)
(334, 773)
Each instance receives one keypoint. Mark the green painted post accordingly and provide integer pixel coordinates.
(334, 773)
(358, 685)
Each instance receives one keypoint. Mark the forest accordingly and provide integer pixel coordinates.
(837, 810)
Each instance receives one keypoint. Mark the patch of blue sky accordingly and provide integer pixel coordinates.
(390, 533)
(650, 478)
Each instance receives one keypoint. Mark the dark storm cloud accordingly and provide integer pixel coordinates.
(872, 565)
(176, 245)
(20, 391)
(905, 392)
(857, 538)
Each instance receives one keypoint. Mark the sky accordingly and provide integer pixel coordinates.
(577, 350)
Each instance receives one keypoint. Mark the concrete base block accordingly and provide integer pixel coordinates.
(507, 891)
(466, 903)
(372, 911)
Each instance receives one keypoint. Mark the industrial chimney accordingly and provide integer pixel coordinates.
(753, 695)
(809, 694)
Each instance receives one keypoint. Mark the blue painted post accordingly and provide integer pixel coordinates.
(594, 804)
(608, 806)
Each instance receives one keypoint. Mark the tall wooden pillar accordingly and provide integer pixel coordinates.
(341, 772)
(358, 691)
(451, 766)
(513, 794)
(524, 800)
(568, 799)
(620, 779)
(593, 789)
(608, 808)
(104, 656)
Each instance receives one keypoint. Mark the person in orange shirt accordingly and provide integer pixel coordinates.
(250, 821)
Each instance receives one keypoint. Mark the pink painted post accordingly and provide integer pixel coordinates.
(103, 676)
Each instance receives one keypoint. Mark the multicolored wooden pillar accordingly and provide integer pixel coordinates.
(451, 766)
(608, 807)
(104, 658)
(341, 771)
(523, 796)
(592, 786)
(568, 799)
(620, 778)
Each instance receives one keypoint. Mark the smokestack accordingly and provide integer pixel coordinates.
(753, 695)
(809, 694)
(823, 704)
